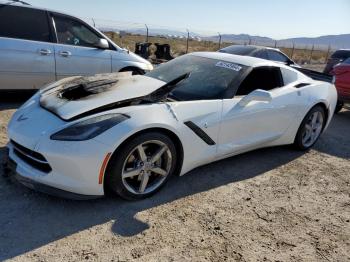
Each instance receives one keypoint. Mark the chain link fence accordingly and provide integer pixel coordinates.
(182, 40)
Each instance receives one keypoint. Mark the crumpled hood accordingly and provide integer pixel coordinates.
(74, 96)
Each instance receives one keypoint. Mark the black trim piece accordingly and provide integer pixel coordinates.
(28, 151)
(300, 85)
(199, 132)
(32, 158)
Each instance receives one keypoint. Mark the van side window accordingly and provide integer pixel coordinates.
(72, 32)
(265, 78)
(24, 23)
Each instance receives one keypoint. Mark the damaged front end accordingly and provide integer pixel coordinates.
(84, 96)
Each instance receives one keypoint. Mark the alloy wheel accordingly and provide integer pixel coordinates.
(146, 167)
(312, 129)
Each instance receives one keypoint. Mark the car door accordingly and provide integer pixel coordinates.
(76, 50)
(26, 49)
(260, 113)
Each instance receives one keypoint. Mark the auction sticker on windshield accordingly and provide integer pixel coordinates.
(227, 65)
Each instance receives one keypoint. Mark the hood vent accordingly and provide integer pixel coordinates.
(83, 88)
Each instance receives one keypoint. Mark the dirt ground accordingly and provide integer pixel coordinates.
(274, 204)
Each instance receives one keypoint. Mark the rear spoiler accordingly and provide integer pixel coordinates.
(315, 75)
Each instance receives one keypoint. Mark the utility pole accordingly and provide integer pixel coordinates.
(312, 51)
(219, 40)
(146, 33)
(188, 39)
(292, 51)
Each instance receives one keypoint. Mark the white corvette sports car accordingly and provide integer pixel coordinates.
(79, 136)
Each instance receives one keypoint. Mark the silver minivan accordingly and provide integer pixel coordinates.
(40, 46)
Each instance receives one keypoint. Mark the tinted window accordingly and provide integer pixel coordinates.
(261, 54)
(347, 61)
(341, 54)
(72, 32)
(276, 56)
(238, 50)
(265, 78)
(24, 23)
(209, 78)
(289, 76)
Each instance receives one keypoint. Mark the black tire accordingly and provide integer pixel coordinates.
(298, 142)
(114, 180)
(339, 107)
(133, 70)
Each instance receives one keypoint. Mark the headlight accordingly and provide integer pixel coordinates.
(89, 128)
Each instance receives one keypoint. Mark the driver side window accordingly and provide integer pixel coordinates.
(265, 78)
(72, 32)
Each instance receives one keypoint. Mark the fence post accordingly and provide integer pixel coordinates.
(312, 51)
(328, 51)
(146, 33)
(219, 40)
(188, 39)
(275, 43)
(292, 51)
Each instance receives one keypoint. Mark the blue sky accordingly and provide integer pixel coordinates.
(273, 18)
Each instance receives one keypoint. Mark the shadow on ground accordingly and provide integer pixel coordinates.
(30, 220)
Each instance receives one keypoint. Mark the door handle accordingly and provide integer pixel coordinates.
(45, 51)
(65, 53)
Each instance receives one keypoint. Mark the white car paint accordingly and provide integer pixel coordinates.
(235, 127)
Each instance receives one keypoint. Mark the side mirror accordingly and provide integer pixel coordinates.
(256, 95)
(102, 44)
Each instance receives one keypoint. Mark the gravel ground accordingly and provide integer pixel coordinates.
(274, 204)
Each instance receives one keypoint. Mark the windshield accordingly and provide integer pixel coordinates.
(208, 78)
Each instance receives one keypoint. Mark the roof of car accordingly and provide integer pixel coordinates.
(237, 59)
(253, 46)
(19, 4)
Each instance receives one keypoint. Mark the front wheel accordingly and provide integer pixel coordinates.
(142, 166)
(310, 129)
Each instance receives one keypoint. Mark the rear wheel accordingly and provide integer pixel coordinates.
(310, 129)
(142, 166)
(339, 107)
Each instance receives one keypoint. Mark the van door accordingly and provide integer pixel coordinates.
(76, 51)
(26, 52)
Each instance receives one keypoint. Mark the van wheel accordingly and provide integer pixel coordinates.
(133, 70)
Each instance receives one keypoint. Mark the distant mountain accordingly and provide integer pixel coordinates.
(335, 41)
(151, 32)
(339, 41)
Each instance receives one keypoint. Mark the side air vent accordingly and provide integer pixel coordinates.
(302, 85)
(199, 132)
